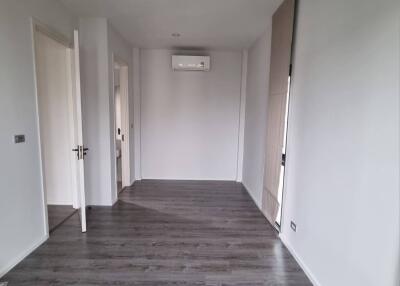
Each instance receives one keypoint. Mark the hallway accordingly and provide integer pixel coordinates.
(165, 233)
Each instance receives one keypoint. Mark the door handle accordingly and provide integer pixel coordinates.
(77, 152)
(84, 152)
(80, 151)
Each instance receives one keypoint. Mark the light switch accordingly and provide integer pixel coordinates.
(19, 139)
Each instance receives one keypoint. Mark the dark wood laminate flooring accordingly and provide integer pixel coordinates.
(57, 214)
(165, 233)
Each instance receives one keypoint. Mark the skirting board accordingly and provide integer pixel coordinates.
(306, 270)
(21, 257)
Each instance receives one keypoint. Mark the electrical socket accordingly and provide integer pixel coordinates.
(18, 139)
(293, 226)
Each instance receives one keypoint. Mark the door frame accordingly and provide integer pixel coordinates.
(38, 27)
(125, 124)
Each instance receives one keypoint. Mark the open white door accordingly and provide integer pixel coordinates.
(79, 149)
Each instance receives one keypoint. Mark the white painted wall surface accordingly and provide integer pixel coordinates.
(190, 120)
(117, 101)
(99, 41)
(134, 112)
(122, 50)
(117, 104)
(56, 120)
(95, 78)
(256, 115)
(342, 186)
(22, 221)
(242, 117)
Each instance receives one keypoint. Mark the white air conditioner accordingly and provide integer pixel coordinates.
(190, 63)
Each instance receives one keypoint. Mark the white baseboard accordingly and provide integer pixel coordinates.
(306, 270)
(19, 258)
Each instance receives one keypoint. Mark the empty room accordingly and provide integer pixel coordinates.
(188, 142)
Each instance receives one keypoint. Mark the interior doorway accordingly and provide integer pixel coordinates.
(56, 129)
(121, 118)
(59, 124)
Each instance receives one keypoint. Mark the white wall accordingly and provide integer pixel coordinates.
(99, 43)
(56, 119)
(95, 76)
(342, 186)
(242, 117)
(117, 104)
(134, 112)
(256, 115)
(119, 48)
(190, 120)
(22, 221)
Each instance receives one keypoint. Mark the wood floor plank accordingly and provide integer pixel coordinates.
(165, 233)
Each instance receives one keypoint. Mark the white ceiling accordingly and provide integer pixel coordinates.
(211, 24)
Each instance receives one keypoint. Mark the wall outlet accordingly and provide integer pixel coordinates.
(293, 226)
(18, 139)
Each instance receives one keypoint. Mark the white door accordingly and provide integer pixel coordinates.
(80, 149)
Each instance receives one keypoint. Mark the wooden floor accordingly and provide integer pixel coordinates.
(165, 233)
(57, 215)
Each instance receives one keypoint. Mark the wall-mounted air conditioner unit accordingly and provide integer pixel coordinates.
(191, 63)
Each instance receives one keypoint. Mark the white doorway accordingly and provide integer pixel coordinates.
(58, 120)
(121, 126)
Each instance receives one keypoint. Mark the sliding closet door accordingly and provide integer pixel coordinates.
(281, 45)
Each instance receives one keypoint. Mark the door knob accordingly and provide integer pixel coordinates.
(84, 152)
(77, 152)
(80, 151)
